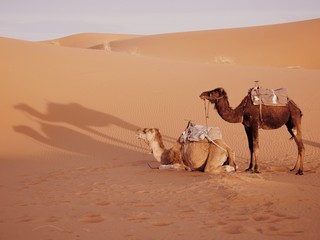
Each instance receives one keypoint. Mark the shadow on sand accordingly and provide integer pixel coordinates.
(87, 120)
(311, 143)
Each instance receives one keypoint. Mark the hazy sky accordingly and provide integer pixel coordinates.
(41, 19)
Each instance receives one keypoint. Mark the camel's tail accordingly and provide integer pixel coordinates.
(296, 105)
(290, 124)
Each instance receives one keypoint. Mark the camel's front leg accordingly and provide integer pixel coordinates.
(250, 143)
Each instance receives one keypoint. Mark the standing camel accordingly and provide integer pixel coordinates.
(254, 117)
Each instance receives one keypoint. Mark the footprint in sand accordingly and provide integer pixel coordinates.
(26, 219)
(139, 217)
(103, 203)
(277, 217)
(233, 229)
(92, 218)
(259, 217)
(52, 219)
(238, 219)
(272, 224)
(162, 223)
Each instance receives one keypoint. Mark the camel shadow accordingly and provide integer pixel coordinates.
(311, 143)
(56, 132)
(80, 117)
(73, 141)
(76, 115)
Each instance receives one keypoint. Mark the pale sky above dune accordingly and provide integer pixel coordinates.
(41, 20)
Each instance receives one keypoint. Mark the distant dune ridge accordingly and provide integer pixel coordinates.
(283, 45)
(72, 167)
(88, 40)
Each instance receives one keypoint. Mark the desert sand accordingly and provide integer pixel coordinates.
(72, 167)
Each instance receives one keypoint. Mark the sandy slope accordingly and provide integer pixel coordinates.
(71, 167)
(282, 45)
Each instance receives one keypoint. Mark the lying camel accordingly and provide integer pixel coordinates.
(191, 156)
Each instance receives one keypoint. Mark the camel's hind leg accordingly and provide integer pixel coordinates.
(253, 141)
(294, 128)
(218, 156)
(215, 162)
(230, 153)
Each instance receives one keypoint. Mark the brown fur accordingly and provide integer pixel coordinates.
(201, 156)
(248, 114)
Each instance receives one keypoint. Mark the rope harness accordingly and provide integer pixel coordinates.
(206, 110)
(211, 141)
(206, 114)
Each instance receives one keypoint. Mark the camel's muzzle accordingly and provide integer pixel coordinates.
(140, 134)
(205, 95)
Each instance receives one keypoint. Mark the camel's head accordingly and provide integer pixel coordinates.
(213, 95)
(148, 134)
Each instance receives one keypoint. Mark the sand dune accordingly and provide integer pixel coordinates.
(88, 40)
(72, 168)
(283, 45)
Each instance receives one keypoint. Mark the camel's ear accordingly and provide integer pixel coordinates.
(221, 91)
(157, 132)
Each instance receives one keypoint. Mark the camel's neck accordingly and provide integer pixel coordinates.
(229, 114)
(157, 148)
(32, 112)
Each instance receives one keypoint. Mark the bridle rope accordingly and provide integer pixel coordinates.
(206, 114)
(206, 110)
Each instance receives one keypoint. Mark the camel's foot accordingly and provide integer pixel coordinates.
(249, 170)
(163, 166)
(172, 166)
(220, 169)
(234, 166)
(300, 172)
(230, 168)
(252, 170)
(188, 169)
